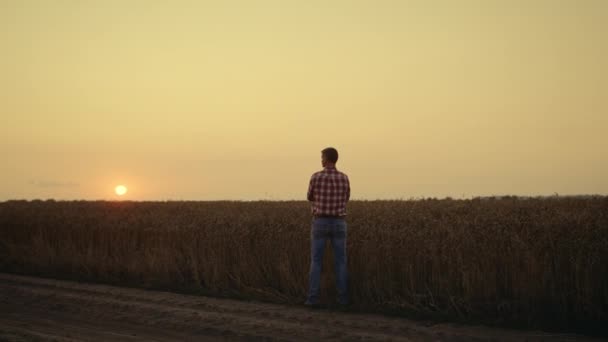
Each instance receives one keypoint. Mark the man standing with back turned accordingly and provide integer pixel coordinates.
(329, 191)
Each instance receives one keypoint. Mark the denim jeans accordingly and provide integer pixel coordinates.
(334, 230)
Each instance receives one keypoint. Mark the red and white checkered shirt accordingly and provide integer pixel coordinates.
(329, 191)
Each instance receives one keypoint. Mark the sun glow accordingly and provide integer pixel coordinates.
(120, 190)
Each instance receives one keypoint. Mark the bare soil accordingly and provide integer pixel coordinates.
(40, 309)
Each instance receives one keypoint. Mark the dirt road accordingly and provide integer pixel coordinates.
(39, 309)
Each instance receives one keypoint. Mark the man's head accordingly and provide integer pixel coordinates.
(329, 157)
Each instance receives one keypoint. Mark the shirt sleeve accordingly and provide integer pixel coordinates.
(311, 186)
(347, 189)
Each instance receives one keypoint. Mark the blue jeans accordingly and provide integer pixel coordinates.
(335, 230)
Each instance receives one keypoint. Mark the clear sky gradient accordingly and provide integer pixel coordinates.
(205, 100)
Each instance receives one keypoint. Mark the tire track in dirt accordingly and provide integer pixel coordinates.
(50, 309)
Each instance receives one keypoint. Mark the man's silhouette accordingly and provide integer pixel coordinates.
(329, 191)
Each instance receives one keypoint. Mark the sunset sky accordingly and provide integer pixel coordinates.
(207, 100)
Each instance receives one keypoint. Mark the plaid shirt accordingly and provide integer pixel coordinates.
(329, 191)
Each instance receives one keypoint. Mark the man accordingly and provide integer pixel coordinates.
(329, 191)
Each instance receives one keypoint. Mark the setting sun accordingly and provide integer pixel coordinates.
(120, 190)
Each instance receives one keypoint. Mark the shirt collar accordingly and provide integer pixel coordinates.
(329, 168)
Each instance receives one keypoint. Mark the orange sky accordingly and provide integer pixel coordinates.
(235, 99)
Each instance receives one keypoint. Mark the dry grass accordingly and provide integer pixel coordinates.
(535, 262)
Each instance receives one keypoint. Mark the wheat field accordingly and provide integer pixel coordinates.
(536, 262)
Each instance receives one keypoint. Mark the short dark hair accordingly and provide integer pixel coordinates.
(331, 154)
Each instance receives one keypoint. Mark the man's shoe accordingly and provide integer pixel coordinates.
(312, 305)
(343, 306)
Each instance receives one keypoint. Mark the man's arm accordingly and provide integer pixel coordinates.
(347, 189)
(311, 186)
